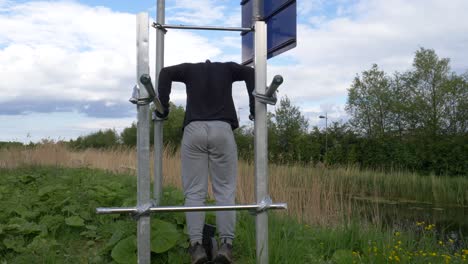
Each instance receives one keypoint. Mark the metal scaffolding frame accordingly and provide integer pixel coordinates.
(143, 97)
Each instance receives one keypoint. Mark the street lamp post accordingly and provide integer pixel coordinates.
(326, 131)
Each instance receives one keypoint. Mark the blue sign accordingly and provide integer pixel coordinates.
(280, 16)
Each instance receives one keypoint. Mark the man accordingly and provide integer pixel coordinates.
(208, 145)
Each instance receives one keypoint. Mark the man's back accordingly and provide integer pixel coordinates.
(209, 89)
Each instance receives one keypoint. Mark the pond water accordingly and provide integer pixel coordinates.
(448, 220)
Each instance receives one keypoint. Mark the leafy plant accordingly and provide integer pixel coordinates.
(48, 214)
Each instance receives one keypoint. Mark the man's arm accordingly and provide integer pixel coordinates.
(247, 74)
(168, 75)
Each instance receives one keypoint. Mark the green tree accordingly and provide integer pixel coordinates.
(414, 120)
(129, 135)
(172, 129)
(430, 90)
(290, 126)
(456, 105)
(245, 142)
(100, 139)
(400, 104)
(316, 142)
(369, 102)
(274, 149)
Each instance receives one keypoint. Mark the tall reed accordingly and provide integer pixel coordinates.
(315, 195)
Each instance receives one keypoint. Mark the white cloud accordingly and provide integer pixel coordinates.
(63, 49)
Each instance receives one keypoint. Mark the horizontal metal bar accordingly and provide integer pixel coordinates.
(242, 29)
(161, 209)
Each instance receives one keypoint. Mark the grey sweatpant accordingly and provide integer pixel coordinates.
(209, 148)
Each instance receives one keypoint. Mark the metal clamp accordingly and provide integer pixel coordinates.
(135, 99)
(265, 99)
(143, 210)
(145, 79)
(264, 205)
(270, 95)
(159, 26)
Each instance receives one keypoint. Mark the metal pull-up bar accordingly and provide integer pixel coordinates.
(242, 29)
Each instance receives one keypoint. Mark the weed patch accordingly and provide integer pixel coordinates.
(48, 216)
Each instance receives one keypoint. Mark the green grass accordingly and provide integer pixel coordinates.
(47, 216)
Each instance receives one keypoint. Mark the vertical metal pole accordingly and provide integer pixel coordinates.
(158, 124)
(261, 135)
(143, 142)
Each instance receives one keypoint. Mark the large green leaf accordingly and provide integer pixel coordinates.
(30, 228)
(22, 226)
(40, 244)
(15, 243)
(28, 178)
(85, 214)
(25, 212)
(116, 237)
(164, 236)
(74, 221)
(91, 227)
(17, 221)
(53, 222)
(125, 251)
(71, 208)
(89, 234)
(50, 188)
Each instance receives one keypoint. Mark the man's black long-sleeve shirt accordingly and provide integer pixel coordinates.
(208, 88)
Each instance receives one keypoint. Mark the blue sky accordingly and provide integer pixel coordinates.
(67, 67)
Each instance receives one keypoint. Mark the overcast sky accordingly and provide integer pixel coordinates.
(67, 68)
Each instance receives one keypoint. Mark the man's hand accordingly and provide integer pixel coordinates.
(162, 115)
(252, 116)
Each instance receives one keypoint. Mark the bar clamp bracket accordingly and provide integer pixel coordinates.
(143, 210)
(145, 79)
(160, 27)
(263, 206)
(136, 99)
(270, 95)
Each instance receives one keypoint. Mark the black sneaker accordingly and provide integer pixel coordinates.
(198, 254)
(224, 254)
